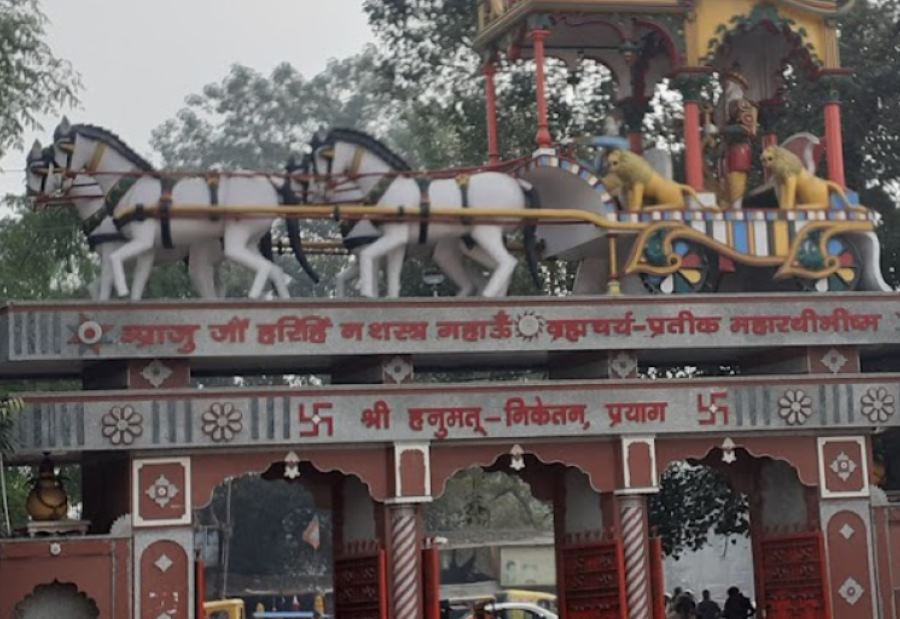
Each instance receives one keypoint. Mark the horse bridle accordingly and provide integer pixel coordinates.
(66, 143)
(41, 167)
(326, 150)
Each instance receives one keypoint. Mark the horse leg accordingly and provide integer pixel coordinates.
(341, 279)
(394, 270)
(105, 281)
(141, 242)
(201, 260)
(237, 238)
(142, 268)
(481, 259)
(490, 239)
(448, 258)
(394, 237)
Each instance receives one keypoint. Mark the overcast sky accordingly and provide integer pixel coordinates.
(139, 59)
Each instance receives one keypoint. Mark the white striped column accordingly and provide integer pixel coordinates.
(406, 562)
(636, 546)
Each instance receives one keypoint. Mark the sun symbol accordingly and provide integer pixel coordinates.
(89, 334)
(529, 326)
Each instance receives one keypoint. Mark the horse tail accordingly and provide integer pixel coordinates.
(293, 229)
(532, 200)
(288, 198)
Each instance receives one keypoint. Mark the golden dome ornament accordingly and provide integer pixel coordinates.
(47, 500)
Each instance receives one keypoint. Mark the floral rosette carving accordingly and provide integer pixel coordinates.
(222, 422)
(795, 407)
(122, 425)
(877, 405)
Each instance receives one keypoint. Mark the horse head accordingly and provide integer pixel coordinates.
(40, 179)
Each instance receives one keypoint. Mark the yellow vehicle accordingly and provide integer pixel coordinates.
(225, 609)
(538, 598)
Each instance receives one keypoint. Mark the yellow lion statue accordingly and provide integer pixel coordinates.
(639, 182)
(795, 185)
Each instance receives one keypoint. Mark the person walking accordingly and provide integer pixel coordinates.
(737, 606)
(707, 608)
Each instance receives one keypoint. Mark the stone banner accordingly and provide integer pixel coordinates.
(73, 331)
(175, 419)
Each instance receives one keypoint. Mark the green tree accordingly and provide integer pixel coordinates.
(43, 254)
(252, 121)
(32, 80)
(694, 502)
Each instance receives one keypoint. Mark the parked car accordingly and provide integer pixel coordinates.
(512, 610)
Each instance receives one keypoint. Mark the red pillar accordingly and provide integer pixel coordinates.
(200, 586)
(690, 82)
(693, 150)
(538, 36)
(636, 142)
(490, 94)
(834, 143)
(834, 139)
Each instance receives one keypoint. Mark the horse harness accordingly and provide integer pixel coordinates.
(462, 182)
(164, 206)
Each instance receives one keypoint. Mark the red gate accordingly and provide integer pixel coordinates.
(658, 578)
(360, 585)
(593, 581)
(792, 570)
(431, 576)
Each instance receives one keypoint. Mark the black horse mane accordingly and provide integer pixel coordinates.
(108, 137)
(377, 147)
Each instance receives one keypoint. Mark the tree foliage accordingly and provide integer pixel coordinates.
(33, 81)
(43, 254)
(475, 499)
(693, 503)
(252, 121)
(266, 525)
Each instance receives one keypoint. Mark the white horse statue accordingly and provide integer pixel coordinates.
(104, 238)
(357, 235)
(354, 161)
(128, 181)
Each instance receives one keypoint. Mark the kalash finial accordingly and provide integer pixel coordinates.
(47, 500)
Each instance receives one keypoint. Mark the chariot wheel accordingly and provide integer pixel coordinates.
(849, 272)
(699, 272)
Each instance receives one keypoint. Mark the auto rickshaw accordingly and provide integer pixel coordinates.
(225, 609)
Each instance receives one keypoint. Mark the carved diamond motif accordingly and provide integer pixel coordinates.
(162, 491)
(834, 360)
(843, 466)
(399, 370)
(623, 365)
(163, 563)
(156, 373)
(847, 531)
(851, 591)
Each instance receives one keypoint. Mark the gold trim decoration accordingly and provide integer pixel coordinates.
(831, 229)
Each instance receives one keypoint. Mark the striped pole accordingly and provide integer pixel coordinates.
(634, 541)
(406, 569)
